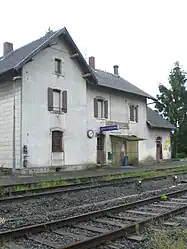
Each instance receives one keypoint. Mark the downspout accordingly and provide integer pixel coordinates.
(110, 106)
(21, 125)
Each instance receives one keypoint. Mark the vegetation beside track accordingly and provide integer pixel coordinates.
(144, 175)
(172, 238)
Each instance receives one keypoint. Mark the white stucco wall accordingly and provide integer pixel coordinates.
(118, 110)
(6, 123)
(38, 75)
(147, 148)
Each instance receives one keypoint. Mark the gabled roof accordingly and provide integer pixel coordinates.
(116, 82)
(155, 120)
(17, 58)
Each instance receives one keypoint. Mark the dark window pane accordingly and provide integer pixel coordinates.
(132, 110)
(57, 137)
(58, 66)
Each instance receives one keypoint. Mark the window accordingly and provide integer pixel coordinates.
(100, 108)
(100, 104)
(58, 66)
(57, 100)
(57, 137)
(133, 113)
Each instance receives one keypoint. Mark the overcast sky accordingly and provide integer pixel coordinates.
(144, 37)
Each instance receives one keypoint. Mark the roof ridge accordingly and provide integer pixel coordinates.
(54, 33)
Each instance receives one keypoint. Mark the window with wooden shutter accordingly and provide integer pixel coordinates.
(106, 108)
(136, 114)
(50, 99)
(95, 108)
(132, 116)
(100, 104)
(100, 107)
(56, 100)
(57, 144)
(64, 101)
(133, 113)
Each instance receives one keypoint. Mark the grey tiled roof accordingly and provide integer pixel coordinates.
(17, 58)
(14, 58)
(157, 121)
(116, 82)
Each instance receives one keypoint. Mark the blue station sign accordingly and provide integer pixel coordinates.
(109, 128)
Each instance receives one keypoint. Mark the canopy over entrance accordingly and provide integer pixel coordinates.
(129, 138)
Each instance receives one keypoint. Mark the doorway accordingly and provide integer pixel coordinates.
(57, 150)
(159, 155)
(100, 149)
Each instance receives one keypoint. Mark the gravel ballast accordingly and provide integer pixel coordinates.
(62, 205)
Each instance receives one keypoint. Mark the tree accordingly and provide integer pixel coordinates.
(172, 105)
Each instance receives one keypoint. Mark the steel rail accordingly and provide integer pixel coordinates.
(121, 232)
(19, 232)
(39, 192)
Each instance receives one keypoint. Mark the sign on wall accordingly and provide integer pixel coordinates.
(109, 128)
(122, 125)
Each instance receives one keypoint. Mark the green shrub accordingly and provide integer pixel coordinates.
(163, 197)
(181, 155)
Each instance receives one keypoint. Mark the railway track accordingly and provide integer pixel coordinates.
(96, 228)
(10, 195)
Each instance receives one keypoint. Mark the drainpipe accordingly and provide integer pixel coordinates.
(21, 126)
(14, 125)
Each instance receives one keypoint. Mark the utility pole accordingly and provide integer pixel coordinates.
(14, 125)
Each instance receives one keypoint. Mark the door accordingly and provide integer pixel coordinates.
(159, 149)
(117, 151)
(100, 149)
(132, 152)
(57, 155)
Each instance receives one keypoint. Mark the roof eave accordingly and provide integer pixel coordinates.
(37, 50)
(80, 59)
(160, 127)
(65, 33)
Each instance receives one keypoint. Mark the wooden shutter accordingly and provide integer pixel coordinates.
(136, 111)
(64, 101)
(50, 99)
(95, 108)
(106, 108)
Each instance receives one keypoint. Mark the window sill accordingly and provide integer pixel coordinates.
(60, 112)
(57, 151)
(133, 122)
(59, 74)
(101, 118)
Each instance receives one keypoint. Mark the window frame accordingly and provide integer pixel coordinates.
(59, 108)
(102, 111)
(55, 148)
(58, 66)
(103, 108)
(135, 113)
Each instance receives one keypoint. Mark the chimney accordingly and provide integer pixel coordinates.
(7, 48)
(92, 62)
(116, 69)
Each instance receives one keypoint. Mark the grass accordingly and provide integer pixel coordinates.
(145, 174)
(44, 184)
(106, 178)
(175, 238)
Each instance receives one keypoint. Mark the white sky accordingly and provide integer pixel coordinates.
(144, 37)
